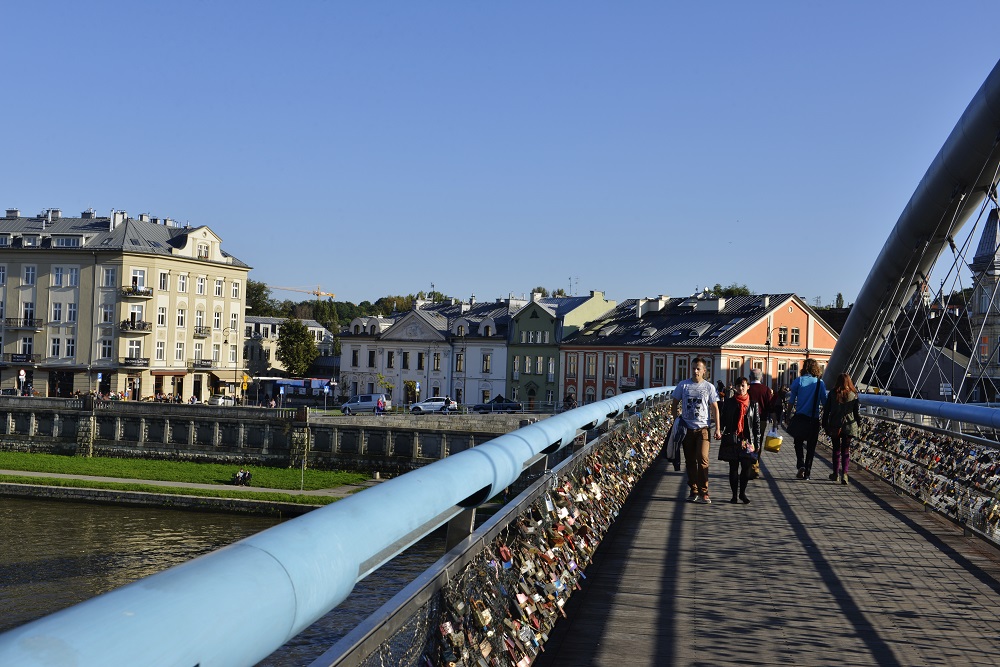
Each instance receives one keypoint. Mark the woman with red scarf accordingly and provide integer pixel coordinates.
(741, 426)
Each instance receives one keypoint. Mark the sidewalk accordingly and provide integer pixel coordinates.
(337, 492)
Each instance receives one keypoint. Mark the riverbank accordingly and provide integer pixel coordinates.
(114, 490)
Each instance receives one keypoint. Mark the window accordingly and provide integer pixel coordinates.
(179, 351)
(571, 362)
(217, 322)
(70, 347)
(611, 365)
(74, 277)
(461, 329)
(459, 362)
(199, 318)
(420, 361)
(68, 242)
(524, 336)
(531, 336)
(28, 345)
(658, 369)
(57, 278)
(71, 312)
(56, 347)
(390, 359)
(105, 348)
(107, 312)
(199, 285)
(28, 310)
(110, 278)
(134, 349)
(514, 393)
(795, 336)
(782, 335)
(180, 317)
(161, 350)
(682, 370)
(633, 366)
(984, 348)
(135, 313)
(139, 278)
(29, 275)
(161, 316)
(354, 357)
(265, 331)
(232, 354)
(218, 287)
(406, 360)
(234, 321)
(545, 335)
(56, 315)
(202, 251)
(487, 330)
(552, 369)
(734, 370)
(486, 395)
(182, 283)
(3, 275)
(164, 281)
(550, 396)
(216, 351)
(590, 370)
(538, 365)
(487, 362)
(236, 289)
(371, 358)
(527, 365)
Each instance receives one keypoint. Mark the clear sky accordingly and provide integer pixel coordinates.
(375, 148)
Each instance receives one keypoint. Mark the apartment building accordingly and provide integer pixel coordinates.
(141, 306)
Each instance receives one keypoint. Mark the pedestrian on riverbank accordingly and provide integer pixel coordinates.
(841, 420)
(741, 433)
(699, 407)
(806, 395)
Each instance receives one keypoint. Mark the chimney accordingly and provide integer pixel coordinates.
(144, 217)
(472, 300)
(13, 213)
(640, 308)
(88, 214)
(535, 296)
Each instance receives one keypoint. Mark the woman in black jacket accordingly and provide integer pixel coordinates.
(741, 425)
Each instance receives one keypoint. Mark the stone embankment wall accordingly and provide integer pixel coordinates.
(389, 444)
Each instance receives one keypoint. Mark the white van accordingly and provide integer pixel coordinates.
(364, 403)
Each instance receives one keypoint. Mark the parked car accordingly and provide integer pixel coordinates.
(364, 403)
(221, 399)
(433, 404)
(498, 404)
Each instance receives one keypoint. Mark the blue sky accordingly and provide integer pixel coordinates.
(374, 148)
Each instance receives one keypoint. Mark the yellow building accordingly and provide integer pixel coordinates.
(115, 304)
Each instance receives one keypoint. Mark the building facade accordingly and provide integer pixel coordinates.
(652, 343)
(260, 349)
(114, 304)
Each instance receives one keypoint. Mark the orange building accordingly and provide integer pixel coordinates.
(652, 342)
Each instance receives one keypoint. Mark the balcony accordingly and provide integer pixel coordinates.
(22, 323)
(20, 358)
(194, 364)
(133, 362)
(136, 292)
(202, 332)
(135, 326)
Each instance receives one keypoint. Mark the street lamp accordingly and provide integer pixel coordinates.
(767, 342)
(236, 364)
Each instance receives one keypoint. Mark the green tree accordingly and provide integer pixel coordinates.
(731, 290)
(559, 292)
(296, 347)
(259, 299)
(839, 303)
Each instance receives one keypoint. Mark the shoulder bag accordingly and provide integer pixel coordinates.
(802, 426)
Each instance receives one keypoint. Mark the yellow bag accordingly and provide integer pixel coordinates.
(772, 442)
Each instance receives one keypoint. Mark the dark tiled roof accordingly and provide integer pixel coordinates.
(681, 322)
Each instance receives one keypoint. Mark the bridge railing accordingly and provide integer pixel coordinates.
(237, 605)
(950, 470)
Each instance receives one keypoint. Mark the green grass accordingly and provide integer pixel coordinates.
(176, 471)
(231, 492)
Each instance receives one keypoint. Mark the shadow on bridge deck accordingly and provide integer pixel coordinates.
(810, 573)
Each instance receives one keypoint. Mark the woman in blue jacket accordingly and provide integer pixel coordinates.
(807, 395)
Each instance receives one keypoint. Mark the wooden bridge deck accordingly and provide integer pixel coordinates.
(809, 573)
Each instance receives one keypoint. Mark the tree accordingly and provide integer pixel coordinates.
(839, 303)
(259, 299)
(559, 292)
(383, 383)
(544, 292)
(296, 347)
(731, 290)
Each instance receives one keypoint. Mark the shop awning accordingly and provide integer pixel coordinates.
(176, 373)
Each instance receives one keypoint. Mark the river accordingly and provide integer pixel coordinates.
(55, 554)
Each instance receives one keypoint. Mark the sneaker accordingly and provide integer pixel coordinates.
(833, 477)
(705, 499)
(843, 479)
(692, 497)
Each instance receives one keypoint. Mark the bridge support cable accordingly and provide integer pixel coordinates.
(959, 167)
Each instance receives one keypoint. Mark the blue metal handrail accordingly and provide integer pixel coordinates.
(237, 605)
(959, 412)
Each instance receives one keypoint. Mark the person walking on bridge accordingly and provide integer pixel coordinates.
(841, 417)
(741, 424)
(806, 395)
(761, 396)
(699, 403)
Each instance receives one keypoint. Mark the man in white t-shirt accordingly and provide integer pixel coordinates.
(699, 403)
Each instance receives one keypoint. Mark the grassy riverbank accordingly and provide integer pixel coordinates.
(175, 471)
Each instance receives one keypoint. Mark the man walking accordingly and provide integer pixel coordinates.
(761, 395)
(699, 407)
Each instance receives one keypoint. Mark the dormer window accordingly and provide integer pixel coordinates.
(461, 330)
(29, 241)
(487, 330)
(5, 240)
(202, 251)
(67, 241)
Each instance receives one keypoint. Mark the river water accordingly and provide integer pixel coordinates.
(55, 554)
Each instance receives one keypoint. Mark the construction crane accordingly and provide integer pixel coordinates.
(316, 292)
